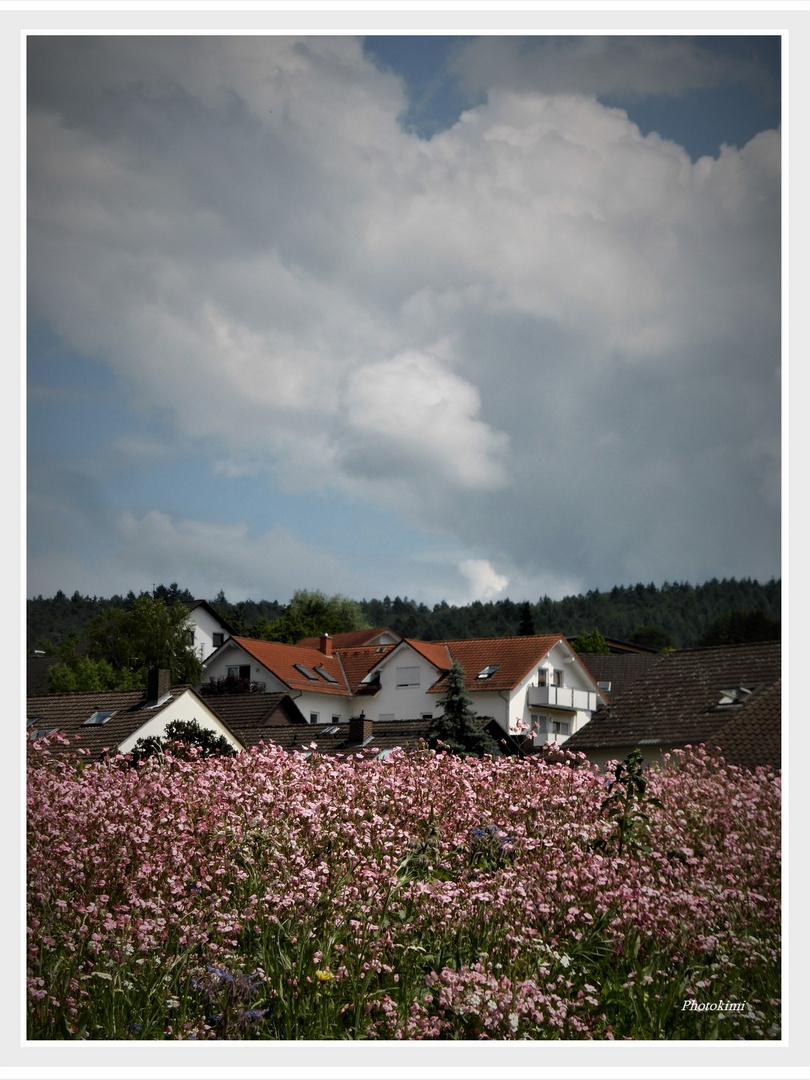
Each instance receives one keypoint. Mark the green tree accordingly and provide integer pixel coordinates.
(653, 637)
(312, 613)
(526, 626)
(180, 737)
(458, 729)
(592, 642)
(739, 627)
(152, 634)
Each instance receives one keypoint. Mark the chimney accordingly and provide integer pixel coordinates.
(158, 683)
(326, 645)
(360, 728)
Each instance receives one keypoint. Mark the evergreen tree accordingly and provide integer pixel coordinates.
(526, 626)
(457, 729)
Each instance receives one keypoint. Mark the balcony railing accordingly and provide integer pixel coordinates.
(562, 697)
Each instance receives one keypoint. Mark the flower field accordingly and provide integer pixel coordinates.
(423, 896)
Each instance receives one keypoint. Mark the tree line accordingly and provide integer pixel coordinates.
(677, 615)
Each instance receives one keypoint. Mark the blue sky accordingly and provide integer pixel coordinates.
(451, 318)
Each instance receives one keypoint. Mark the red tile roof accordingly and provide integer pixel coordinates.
(514, 656)
(349, 640)
(281, 660)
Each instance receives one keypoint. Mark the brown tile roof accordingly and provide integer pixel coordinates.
(131, 710)
(619, 669)
(252, 717)
(752, 736)
(514, 656)
(675, 702)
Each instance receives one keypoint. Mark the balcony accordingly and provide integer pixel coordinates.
(562, 697)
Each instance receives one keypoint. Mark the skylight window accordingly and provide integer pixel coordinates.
(305, 671)
(325, 674)
(488, 671)
(98, 718)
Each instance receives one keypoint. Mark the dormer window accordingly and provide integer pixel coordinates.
(488, 671)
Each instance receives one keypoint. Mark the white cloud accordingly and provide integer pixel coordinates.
(486, 582)
(526, 334)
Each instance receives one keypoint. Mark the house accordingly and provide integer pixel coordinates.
(526, 684)
(113, 720)
(210, 629)
(728, 696)
(255, 718)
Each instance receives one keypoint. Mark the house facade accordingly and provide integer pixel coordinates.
(113, 721)
(534, 685)
(210, 629)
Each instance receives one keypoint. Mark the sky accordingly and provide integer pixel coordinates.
(451, 318)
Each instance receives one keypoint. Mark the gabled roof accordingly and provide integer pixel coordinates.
(131, 710)
(678, 701)
(351, 639)
(513, 658)
(254, 717)
(358, 662)
(281, 660)
(192, 605)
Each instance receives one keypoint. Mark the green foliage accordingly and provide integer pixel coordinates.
(526, 625)
(310, 614)
(151, 634)
(627, 796)
(457, 729)
(77, 674)
(682, 611)
(652, 637)
(592, 642)
(739, 627)
(181, 735)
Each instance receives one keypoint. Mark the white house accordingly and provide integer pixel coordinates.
(114, 720)
(527, 684)
(210, 629)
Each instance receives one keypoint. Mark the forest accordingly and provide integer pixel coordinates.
(676, 614)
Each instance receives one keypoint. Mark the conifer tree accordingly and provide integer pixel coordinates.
(457, 729)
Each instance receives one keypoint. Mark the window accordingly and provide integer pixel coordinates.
(239, 671)
(488, 671)
(40, 733)
(325, 674)
(335, 719)
(427, 716)
(98, 718)
(556, 677)
(218, 640)
(313, 717)
(305, 671)
(542, 677)
(560, 727)
(407, 676)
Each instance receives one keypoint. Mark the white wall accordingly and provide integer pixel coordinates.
(205, 626)
(186, 707)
